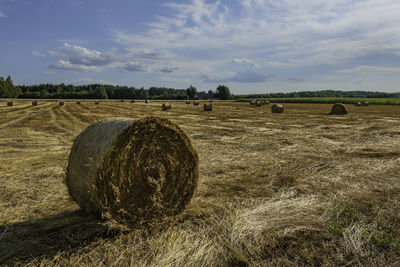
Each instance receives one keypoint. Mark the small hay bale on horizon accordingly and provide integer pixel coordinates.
(277, 108)
(187, 102)
(365, 103)
(78, 102)
(61, 103)
(357, 104)
(96, 102)
(10, 104)
(207, 107)
(196, 103)
(338, 109)
(133, 101)
(146, 101)
(165, 107)
(34, 103)
(132, 171)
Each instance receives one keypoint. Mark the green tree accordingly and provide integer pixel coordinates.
(191, 91)
(223, 92)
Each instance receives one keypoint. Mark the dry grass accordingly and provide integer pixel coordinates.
(301, 188)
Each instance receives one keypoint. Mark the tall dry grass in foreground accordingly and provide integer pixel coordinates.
(298, 188)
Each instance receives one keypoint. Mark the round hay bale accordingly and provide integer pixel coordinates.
(277, 108)
(207, 107)
(166, 107)
(146, 101)
(253, 103)
(121, 100)
(132, 170)
(78, 102)
(357, 104)
(187, 102)
(133, 101)
(196, 103)
(338, 109)
(365, 104)
(10, 104)
(96, 102)
(34, 103)
(61, 103)
(266, 102)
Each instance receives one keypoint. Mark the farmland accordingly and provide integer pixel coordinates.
(297, 188)
(328, 100)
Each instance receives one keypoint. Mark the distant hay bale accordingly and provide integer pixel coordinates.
(253, 103)
(277, 108)
(78, 102)
(196, 103)
(61, 103)
(207, 107)
(166, 107)
(132, 170)
(338, 109)
(34, 103)
(258, 103)
(133, 101)
(210, 100)
(365, 104)
(146, 101)
(187, 102)
(357, 104)
(96, 102)
(267, 102)
(121, 100)
(10, 104)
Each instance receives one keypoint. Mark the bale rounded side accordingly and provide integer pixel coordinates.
(165, 107)
(133, 170)
(10, 104)
(207, 107)
(277, 108)
(34, 103)
(338, 109)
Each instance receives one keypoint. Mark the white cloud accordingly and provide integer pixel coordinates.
(38, 53)
(132, 66)
(167, 69)
(66, 65)
(2, 15)
(246, 60)
(370, 68)
(295, 80)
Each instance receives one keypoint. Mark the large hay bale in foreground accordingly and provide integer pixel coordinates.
(208, 107)
(277, 108)
(338, 109)
(166, 107)
(132, 170)
(10, 104)
(34, 103)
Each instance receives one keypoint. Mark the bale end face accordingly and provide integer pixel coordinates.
(61, 103)
(34, 103)
(96, 102)
(276, 108)
(134, 171)
(207, 107)
(166, 107)
(196, 103)
(338, 109)
(10, 104)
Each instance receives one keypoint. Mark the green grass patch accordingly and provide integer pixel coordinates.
(327, 100)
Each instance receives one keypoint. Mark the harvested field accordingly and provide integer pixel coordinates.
(298, 188)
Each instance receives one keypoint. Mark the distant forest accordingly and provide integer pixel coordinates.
(102, 91)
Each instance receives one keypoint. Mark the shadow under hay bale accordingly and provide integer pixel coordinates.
(34, 103)
(132, 171)
(277, 108)
(165, 107)
(61, 103)
(10, 104)
(207, 107)
(196, 103)
(338, 109)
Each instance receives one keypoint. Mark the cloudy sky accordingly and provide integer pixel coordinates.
(252, 46)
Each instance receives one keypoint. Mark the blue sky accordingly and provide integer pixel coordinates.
(252, 46)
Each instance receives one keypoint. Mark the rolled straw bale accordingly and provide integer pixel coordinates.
(364, 103)
(207, 107)
(277, 108)
(78, 102)
(34, 103)
(10, 104)
(267, 102)
(96, 102)
(166, 107)
(196, 103)
(338, 109)
(132, 170)
(357, 104)
(133, 101)
(146, 101)
(253, 102)
(258, 103)
(187, 102)
(121, 100)
(61, 103)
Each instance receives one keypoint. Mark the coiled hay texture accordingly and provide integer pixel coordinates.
(166, 107)
(338, 109)
(10, 104)
(34, 103)
(276, 108)
(61, 103)
(207, 107)
(132, 170)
